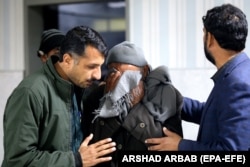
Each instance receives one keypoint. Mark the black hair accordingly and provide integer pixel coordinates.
(229, 26)
(78, 38)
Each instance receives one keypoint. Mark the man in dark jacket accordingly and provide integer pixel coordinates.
(135, 104)
(43, 116)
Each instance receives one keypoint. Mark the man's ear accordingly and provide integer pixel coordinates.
(67, 59)
(210, 39)
(44, 58)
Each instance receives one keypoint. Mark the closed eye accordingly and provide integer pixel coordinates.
(112, 70)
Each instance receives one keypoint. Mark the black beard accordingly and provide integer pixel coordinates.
(208, 55)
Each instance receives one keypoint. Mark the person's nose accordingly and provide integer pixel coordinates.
(97, 74)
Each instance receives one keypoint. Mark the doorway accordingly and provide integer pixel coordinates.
(107, 17)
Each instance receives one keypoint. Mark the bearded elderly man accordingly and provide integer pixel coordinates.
(135, 103)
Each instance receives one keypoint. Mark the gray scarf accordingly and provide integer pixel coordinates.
(118, 101)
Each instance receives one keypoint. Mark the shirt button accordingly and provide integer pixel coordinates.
(102, 123)
(142, 125)
(119, 146)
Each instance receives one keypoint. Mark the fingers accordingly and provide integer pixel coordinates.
(109, 148)
(112, 80)
(137, 93)
(155, 144)
(159, 140)
(165, 131)
(168, 132)
(87, 140)
(170, 142)
(153, 141)
(155, 148)
(102, 142)
(95, 153)
(104, 145)
(103, 159)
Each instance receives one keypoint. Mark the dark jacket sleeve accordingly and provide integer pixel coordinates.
(78, 159)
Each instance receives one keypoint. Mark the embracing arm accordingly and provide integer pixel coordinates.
(33, 140)
(192, 110)
(229, 114)
(226, 128)
(22, 135)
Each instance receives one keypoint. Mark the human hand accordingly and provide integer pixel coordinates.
(137, 93)
(111, 80)
(94, 154)
(168, 143)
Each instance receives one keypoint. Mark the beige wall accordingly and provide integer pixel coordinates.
(8, 81)
(11, 53)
